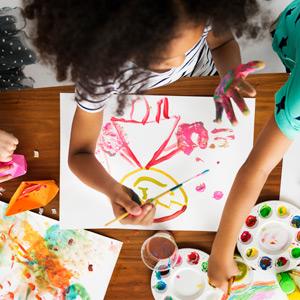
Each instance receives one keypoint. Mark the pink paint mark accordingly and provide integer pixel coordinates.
(9, 283)
(12, 261)
(218, 130)
(132, 108)
(179, 260)
(218, 195)
(147, 114)
(127, 159)
(9, 296)
(159, 104)
(199, 159)
(201, 188)
(184, 137)
(178, 276)
(166, 108)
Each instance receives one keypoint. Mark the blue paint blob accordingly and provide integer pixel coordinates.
(296, 221)
(265, 262)
(161, 286)
(158, 275)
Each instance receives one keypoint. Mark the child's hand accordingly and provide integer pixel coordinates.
(231, 85)
(124, 200)
(8, 144)
(220, 271)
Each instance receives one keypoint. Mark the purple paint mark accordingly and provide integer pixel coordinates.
(178, 276)
(201, 188)
(218, 195)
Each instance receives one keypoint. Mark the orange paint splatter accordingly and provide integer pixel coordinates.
(38, 297)
(57, 274)
(31, 286)
(9, 296)
(27, 275)
(1, 286)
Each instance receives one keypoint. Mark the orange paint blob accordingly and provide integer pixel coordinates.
(31, 286)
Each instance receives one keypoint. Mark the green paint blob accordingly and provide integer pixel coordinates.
(265, 211)
(204, 266)
(296, 253)
(243, 271)
(56, 238)
(77, 290)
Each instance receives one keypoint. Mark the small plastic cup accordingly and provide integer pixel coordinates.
(160, 252)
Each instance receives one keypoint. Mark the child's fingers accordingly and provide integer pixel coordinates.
(219, 111)
(240, 102)
(129, 205)
(229, 110)
(137, 220)
(148, 218)
(246, 88)
(5, 178)
(5, 168)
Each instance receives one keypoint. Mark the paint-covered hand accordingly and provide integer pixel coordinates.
(8, 144)
(220, 271)
(125, 200)
(231, 87)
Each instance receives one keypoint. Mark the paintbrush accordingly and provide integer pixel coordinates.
(160, 195)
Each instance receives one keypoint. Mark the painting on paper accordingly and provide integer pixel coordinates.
(40, 261)
(159, 142)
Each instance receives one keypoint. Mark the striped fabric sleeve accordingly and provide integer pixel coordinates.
(93, 97)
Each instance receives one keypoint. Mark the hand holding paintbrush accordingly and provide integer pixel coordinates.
(121, 217)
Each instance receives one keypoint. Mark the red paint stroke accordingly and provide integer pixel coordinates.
(14, 239)
(166, 108)
(147, 114)
(153, 160)
(31, 286)
(193, 258)
(27, 275)
(127, 159)
(171, 147)
(199, 159)
(1, 286)
(157, 117)
(127, 148)
(3, 237)
(170, 217)
(218, 130)
(184, 136)
(9, 296)
(12, 261)
(9, 283)
(218, 195)
(132, 108)
(38, 297)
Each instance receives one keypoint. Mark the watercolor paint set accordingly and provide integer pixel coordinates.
(270, 237)
(187, 280)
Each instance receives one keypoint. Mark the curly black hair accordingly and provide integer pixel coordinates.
(92, 39)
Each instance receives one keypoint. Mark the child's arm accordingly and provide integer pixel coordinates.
(8, 144)
(266, 154)
(82, 161)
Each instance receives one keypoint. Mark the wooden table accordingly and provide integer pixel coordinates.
(33, 116)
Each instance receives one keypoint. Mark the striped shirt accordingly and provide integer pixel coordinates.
(198, 62)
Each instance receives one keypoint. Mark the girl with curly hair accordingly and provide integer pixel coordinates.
(117, 47)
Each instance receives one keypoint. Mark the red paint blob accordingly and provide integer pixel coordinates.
(251, 221)
(193, 258)
(298, 236)
(70, 242)
(281, 261)
(245, 236)
(90, 268)
(179, 261)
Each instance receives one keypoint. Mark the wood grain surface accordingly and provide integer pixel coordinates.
(33, 116)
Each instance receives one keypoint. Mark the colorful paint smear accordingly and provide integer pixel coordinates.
(41, 261)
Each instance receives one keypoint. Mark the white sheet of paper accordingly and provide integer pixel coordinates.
(82, 207)
(290, 177)
(41, 261)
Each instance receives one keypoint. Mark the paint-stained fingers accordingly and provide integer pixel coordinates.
(229, 110)
(138, 220)
(240, 102)
(5, 178)
(148, 218)
(245, 87)
(219, 111)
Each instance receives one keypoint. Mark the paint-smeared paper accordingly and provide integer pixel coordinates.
(159, 142)
(264, 287)
(290, 178)
(42, 262)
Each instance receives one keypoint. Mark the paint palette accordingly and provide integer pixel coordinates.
(186, 281)
(270, 237)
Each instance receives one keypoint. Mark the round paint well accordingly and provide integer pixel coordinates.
(265, 263)
(188, 284)
(246, 237)
(161, 286)
(251, 221)
(251, 253)
(295, 253)
(282, 211)
(281, 262)
(274, 238)
(298, 236)
(163, 270)
(265, 211)
(296, 221)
